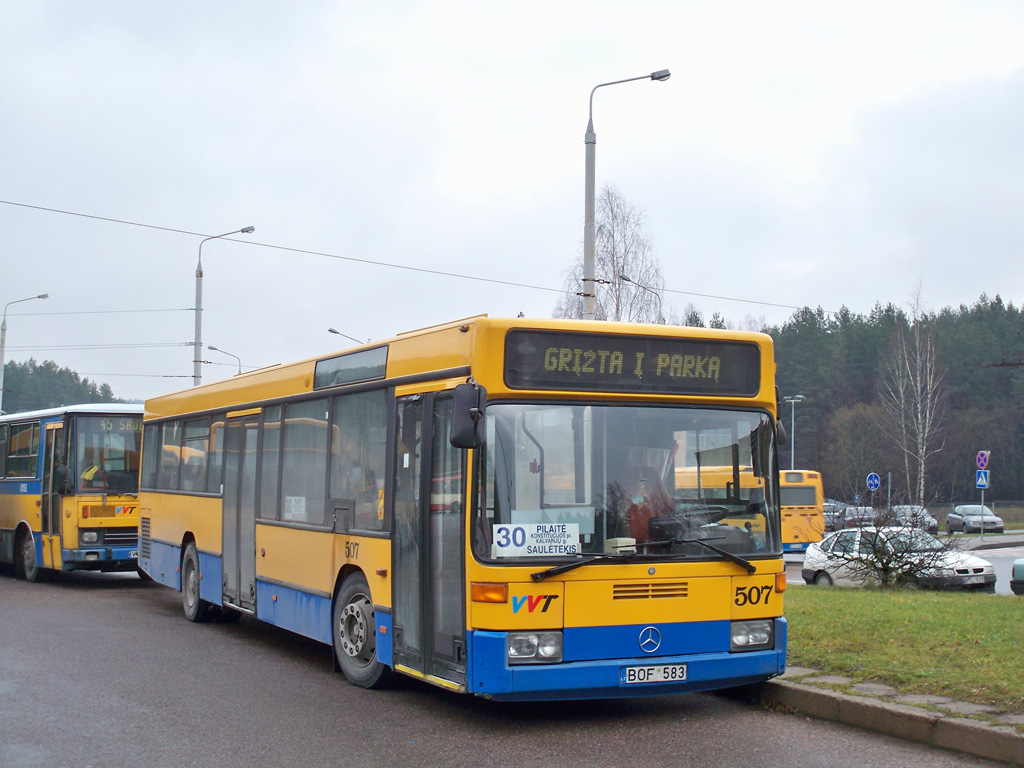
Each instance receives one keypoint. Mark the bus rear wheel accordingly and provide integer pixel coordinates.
(195, 607)
(355, 637)
(26, 564)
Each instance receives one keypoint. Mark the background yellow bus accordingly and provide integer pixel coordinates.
(490, 505)
(68, 484)
(803, 508)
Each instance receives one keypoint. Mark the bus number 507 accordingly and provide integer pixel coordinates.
(752, 595)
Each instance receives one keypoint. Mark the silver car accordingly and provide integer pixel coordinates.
(846, 557)
(973, 518)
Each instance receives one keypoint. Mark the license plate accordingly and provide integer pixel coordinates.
(664, 673)
(974, 579)
(134, 554)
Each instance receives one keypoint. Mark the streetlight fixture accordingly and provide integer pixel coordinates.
(197, 362)
(626, 278)
(339, 333)
(3, 341)
(225, 352)
(589, 278)
(793, 400)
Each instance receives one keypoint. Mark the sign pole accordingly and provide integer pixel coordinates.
(982, 526)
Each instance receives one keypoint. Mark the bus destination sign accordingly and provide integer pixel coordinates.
(564, 360)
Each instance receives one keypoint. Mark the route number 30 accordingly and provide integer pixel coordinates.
(752, 595)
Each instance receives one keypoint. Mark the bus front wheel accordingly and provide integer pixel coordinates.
(27, 566)
(355, 637)
(195, 607)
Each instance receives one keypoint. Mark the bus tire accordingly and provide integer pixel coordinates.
(355, 637)
(25, 564)
(196, 609)
(143, 575)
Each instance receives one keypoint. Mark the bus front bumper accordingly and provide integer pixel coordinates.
(493, 677)
(101, 558)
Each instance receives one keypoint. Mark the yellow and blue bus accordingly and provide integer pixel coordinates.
(489, 505)
(803, 508)
(69, 488)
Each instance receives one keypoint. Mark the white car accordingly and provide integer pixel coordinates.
(856, 556)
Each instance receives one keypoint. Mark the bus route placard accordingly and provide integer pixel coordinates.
(562, 360)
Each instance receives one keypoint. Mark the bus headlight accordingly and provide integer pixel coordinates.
(534, 647)
(90, 537)
(752, 635)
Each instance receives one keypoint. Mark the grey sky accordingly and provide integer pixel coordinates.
(802, 154)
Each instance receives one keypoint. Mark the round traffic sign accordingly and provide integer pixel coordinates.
(873, 481)
(982, 459)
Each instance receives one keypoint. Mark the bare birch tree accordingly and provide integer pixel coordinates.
(912, 396)
(622, 247)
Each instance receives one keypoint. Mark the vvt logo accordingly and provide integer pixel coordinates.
(532, 602)
(650, 639)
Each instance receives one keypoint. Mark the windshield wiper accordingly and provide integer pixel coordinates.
(749, 566)
(566, 567)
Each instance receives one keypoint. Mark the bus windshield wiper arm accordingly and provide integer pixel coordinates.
(566, 567)
(749, 566)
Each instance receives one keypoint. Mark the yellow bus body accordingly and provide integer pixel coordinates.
(803, 508)
(300, 571)
(91, 526)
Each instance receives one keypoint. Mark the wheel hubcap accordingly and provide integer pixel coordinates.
(28, 554)
(190, 585)
(354, 629)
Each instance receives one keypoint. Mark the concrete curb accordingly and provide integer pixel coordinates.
(958, 734)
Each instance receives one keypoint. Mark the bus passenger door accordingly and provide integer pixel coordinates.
(52, 486)
(239, 513)
(428, 610)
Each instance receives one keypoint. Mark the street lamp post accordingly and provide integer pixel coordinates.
(3, 341)
(225, 352)
(793, 400)
(590, 139)
(197, 347)
(626, 278)
(339, 333)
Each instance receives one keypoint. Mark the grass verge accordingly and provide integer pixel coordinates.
(968, 647)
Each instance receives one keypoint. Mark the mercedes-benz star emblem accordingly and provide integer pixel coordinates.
(650, 639)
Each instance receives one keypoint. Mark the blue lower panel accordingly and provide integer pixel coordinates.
(163, 564)
(491, 676)
(385, 645)
(294, 610)
(796, 547)
(211, 582)
(126, 558)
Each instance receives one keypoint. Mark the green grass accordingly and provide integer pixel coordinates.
(969, 647)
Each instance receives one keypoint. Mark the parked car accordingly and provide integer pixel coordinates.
(908, 516)
(1017, 578)
(972, 518)
(854, 517)
(835, 515)
(845, 557)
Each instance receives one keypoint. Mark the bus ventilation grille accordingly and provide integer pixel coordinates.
(144, 537)
(650, 591)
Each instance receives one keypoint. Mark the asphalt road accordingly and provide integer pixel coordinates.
(103, 670)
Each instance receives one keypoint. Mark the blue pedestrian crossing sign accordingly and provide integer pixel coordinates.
(873, 481)
(982, 481)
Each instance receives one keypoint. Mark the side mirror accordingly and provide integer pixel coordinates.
(468, 416)
(780, 433)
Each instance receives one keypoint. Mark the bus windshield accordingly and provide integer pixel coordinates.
(568, 480)
(107, 453)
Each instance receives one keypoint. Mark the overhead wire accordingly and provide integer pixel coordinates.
(373, 262)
